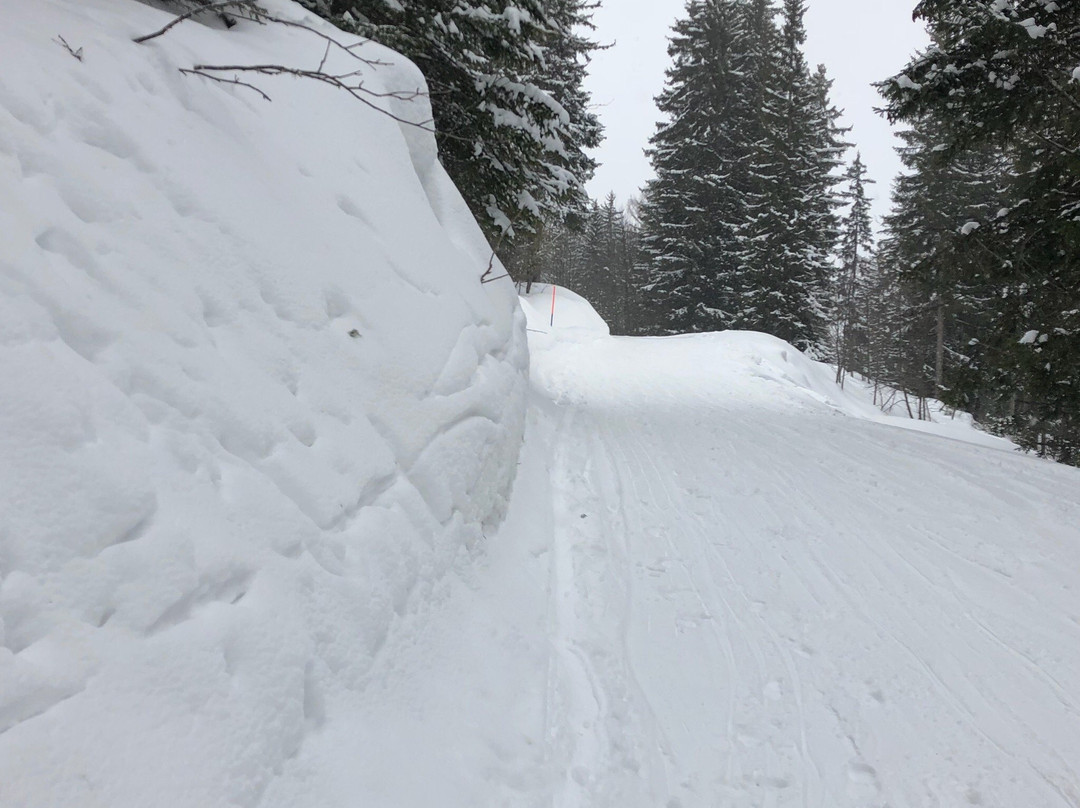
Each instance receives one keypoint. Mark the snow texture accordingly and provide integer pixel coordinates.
(761, 592)
(255, 401)
(723, 581)
(259, 420)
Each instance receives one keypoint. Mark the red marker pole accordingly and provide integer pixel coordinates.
(552, 323)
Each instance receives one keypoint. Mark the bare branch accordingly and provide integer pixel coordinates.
(351, 82)
(490, 267)
(223, 80)
(330, 41)
(325, 56)
(356, 90)
(244, 5)
(76, 53)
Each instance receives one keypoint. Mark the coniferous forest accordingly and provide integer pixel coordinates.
(758, 215)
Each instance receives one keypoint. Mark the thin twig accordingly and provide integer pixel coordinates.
(218, 6)
(223, 80)
(498, 243)
(357, 91)
(329, 39)
(76, 53)
(490, 267)
(340, 81)
(325, 56)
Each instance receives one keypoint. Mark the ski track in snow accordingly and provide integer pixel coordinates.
(736, 591)
(253, 455)
(814, 610)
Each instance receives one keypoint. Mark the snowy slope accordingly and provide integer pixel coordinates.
(724, 582)
(254, 401)
(259, 421)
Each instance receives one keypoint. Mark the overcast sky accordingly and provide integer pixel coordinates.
(859, 41)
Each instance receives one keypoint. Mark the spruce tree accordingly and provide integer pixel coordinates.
(694, 211)
(935, 208)
(792, 228)
(853, 276)
(1005, 76)
(739, 224)
(510, 113)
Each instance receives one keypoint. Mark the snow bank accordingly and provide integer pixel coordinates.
(581, 363)
(572, 314)
(255, 401)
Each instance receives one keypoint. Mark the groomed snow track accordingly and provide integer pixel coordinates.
(726, 583)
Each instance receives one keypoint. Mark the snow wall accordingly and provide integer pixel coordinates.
(253, 400)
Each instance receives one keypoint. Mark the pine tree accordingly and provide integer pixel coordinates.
(853, 276)
(1005, 76)
(935, 207)
(566, 62)
(739, 223)
(792, 228)
(607, 263)
(595, 257)
(511, 115)
(694, 210)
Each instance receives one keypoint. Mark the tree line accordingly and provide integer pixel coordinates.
(970, 292)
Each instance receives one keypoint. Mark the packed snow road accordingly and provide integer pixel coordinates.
(774, 603)
(720, 586)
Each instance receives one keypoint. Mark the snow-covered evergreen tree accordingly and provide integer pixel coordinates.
(1006, 75)
(739, 223)
(853, 275)
(511, 115)
(937, 206)
(595, 256)
(792, 228)
(695, 209)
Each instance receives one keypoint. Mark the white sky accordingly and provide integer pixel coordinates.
(859, 42)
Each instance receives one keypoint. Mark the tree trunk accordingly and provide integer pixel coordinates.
(939, 357)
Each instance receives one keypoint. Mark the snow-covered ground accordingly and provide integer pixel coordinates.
(253, 401)
(259, 423)
(763, 592)
(725, 582)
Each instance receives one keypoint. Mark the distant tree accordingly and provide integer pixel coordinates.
(936, 205)
(607, 263)
(791, 231)
(694, 211)
(595, 256)
(739, 224)
(853, 275)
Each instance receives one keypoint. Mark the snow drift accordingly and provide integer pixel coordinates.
(254, 398)
(551, 309)
(582, 363)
